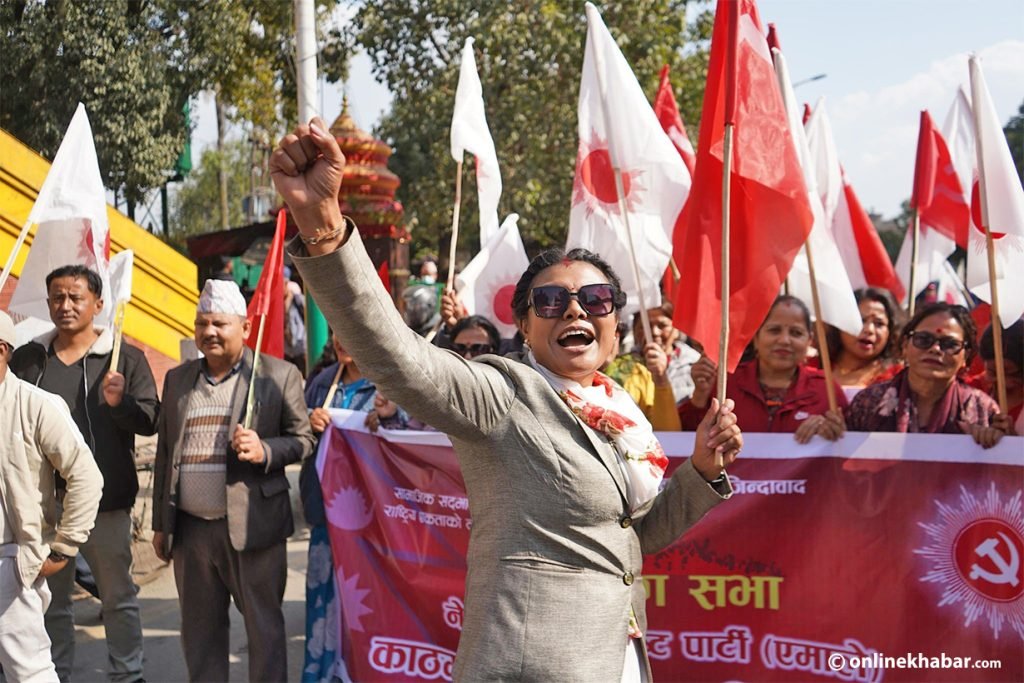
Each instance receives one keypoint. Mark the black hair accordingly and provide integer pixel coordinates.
(955, 311)
(893, 313)
(1013, 344)
(91, 277)
(666, 308)
(784, 299)
(550, 257)
(477, 322)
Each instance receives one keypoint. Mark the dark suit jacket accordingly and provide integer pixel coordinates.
(259, 508)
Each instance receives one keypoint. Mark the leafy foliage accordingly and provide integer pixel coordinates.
(529, 54)
(194, 206)
(111, 56)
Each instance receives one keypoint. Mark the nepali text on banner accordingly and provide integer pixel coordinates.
(883, 557)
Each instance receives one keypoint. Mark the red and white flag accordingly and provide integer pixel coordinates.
(867, 262)
(487, 282)
(619, 134)
(1003, 210)
(768, 199)
(835, 295)
(667, 111)
(471, 134)
(71, 215)
(943, 203)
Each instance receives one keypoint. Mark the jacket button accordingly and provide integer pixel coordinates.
(628, 579)
(626, 522)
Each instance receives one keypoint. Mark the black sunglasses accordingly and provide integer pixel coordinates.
(926, 340)
(551, 301)
(472, 350)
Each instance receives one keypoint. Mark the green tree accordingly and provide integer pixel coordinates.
(193, 206)
(530, 55)
(111, 56)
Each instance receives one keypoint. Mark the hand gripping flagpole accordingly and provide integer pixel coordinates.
(997, 324)
(621, 193)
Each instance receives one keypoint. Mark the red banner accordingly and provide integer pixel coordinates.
(883, 557)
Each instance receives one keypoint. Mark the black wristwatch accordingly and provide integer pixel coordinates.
(59, 556)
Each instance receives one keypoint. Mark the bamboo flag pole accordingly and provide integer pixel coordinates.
(819, 327)
(455, 225)
(997, 324)
(620, 192)
(334, 387)
(14, 253)
(250, 399)
(115, 355)
(723, 337)
(915, 238)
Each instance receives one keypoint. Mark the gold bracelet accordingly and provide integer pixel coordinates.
(321, 235)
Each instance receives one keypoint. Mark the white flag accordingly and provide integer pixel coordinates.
(470, 134)
(619, 133)
(121, 277)
(838, 304)
(487, 282)
(1004, 199)
(71, 214)
(933, 250)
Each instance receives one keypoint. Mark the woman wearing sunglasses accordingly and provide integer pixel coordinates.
(474, 336)
(563, 472)
(928, 395)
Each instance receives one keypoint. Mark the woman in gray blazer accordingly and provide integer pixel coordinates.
(563, 478)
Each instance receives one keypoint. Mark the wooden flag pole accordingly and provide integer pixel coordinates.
(14, 253)
(115, 355)
(819, 328)
(723, 337)
(250, 399)
(915, 238)
(620, 192)
(455, 225)
(997, 324)
(334, 386)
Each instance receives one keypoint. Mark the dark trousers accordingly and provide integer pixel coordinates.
(210, 573)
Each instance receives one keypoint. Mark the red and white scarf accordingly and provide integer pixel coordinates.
(605, 407)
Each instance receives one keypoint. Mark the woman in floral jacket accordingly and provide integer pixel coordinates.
(929, 396)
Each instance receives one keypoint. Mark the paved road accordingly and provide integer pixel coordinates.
(161, 620)
(161, 623)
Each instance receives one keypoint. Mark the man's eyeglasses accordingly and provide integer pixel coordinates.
(551, 301)
(926, 340)
(472, 350)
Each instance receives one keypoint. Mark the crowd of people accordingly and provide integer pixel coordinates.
(526, 417)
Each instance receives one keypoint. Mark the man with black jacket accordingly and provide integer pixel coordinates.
(110, 406)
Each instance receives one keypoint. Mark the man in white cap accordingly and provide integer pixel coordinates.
(221, 507)
(42, 438)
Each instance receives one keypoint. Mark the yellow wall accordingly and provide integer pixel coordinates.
(164, 294)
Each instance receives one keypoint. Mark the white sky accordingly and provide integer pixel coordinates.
(885, 60)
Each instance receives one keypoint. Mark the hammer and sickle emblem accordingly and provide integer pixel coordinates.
(1007, 569)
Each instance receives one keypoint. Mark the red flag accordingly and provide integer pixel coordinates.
(268, 299)
(385, 275)
(667, 111)
(770, 214)
(874, 259)
(938, 196)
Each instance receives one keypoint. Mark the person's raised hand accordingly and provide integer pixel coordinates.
(703, 373)
(656, 361)
(718, 441)
(306, 168)
(451, 308)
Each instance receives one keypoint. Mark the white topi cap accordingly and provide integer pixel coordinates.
(221, 296)
(7, 334)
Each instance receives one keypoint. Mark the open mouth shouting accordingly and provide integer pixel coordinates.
(576, 337)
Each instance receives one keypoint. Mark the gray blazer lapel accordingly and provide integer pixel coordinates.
(606, 454)
(187, 382)
(242, 392)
